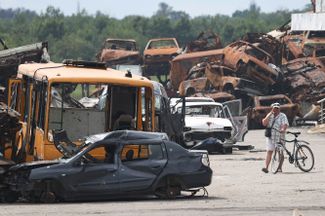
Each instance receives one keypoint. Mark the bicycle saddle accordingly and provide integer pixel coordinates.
(294, 133)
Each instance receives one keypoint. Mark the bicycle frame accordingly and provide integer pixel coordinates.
(294, 148)
(297, 155)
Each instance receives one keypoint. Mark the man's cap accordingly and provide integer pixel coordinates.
(275, 105)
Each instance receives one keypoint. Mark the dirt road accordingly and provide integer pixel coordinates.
(239, 187)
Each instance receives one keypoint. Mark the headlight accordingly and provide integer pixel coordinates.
(205, 160)
(188, 137)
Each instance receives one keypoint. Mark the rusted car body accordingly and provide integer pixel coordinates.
(305, 79)
(217, 78)
(267, 43)
(262, 106)
(252, 62)
(119, 51)
(205, 41)
(181, 65)
(293, 44)
(157, 54)
(304, 44)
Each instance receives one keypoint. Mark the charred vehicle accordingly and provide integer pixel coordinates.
(305, 79)
(304, 44)
(305, 84)
(157, 55)
(210, 78)
(262, 106)
(268, 43)
(205, 41)
(134, 164)
(182, 64)
(251, 62)
(119, 51)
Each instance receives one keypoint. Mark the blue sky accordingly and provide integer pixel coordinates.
(121, 8)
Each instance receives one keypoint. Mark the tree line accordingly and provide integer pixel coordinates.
(81, 35)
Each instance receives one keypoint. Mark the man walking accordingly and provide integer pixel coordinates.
(278, 122)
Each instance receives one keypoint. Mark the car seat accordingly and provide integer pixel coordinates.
(129, 155)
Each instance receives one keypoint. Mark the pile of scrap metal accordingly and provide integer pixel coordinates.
(304, 68)
(253, 67)
(9, 126)
(205, 41)
(10, 58)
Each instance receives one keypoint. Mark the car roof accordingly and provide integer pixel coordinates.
(60, 72)
(126, 136)
(160, 39)
(118, 39)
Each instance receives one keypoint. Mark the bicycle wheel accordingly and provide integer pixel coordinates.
(304, 158)
(277, 160)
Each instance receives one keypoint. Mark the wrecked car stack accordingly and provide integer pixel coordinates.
(256, 65)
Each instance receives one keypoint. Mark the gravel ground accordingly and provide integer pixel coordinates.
(239, 187)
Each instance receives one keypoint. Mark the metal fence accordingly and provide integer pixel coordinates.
(322, 111)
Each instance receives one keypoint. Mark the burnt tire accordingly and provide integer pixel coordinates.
(46, 192)
(169, 189)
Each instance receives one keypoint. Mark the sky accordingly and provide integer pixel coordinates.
(122, 8)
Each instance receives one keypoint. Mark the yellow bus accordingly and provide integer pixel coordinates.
(83, 98)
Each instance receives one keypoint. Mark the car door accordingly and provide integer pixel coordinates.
(91, 174)
(233, 110)
(140, 171)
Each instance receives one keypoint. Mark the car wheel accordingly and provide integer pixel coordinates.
(45, 192)
(169, 190)
(227, 150)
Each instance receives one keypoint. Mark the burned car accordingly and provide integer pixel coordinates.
(251, 62)
(157, 54)
(210, 77)
(160, 51)
(305, 79)
(262, 106)
(304, 44)
(111, 165)
(183, 63)
(119, 51)
(206, 40)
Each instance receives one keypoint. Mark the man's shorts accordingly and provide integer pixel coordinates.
(269, 145)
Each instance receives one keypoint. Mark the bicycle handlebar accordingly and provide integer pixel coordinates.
(296, 134)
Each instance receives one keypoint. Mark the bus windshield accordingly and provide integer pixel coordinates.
(83, 109)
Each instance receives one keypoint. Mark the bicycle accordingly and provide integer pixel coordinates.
(302, 155)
